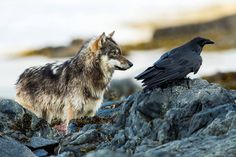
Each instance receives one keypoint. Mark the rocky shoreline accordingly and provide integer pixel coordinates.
(175, 121)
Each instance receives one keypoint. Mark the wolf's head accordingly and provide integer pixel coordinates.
(109, 52)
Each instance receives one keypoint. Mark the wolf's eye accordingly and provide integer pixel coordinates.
(115, 52)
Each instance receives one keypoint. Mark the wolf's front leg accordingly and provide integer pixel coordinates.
(69, 114)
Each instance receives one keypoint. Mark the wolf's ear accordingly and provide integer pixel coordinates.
(111, 34)
(98, 42)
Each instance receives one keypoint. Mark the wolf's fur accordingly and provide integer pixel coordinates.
(74, 88)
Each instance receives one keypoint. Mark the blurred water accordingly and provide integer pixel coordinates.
(29, 24)
(212, 63)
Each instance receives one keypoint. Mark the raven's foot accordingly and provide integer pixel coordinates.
(187, 79)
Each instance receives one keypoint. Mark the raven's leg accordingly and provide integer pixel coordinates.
(187, 81)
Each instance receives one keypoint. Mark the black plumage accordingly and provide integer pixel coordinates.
(175, 64)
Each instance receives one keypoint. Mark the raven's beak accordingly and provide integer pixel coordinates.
(209, 42)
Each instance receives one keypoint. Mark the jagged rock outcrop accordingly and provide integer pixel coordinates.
(177, 121)
(199, 120)
(20, 129)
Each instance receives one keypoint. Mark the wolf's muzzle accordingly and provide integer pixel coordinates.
(130, 64)
(124, 66)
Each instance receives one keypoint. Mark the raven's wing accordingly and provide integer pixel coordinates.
(167, 70)
(197, 65)
(151, 71)
(171, 65)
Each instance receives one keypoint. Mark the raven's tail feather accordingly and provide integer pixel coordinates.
(146, 73)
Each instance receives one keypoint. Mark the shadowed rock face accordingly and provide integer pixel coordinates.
(176, 121)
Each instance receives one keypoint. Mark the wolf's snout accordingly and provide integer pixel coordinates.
(124, 64)
(128, 65)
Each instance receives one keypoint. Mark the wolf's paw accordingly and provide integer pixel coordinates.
(61, 128)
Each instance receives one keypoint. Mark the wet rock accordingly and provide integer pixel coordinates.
(12, 148)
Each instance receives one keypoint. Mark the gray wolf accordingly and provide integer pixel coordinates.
(175, 64)
(74, 88)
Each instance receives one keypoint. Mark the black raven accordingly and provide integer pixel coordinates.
(175, 64)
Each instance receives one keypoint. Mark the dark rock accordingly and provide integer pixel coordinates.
(11, 148)
(81, 142)
(86, 137)
(72, 127)
(199, 146)
(11, 109)
(147, 123)
(14, 119)
(233, 92)
(19, 124)
(109, 109)
(172, 122)
(40, 153)
(87, 123)
(39, 142)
